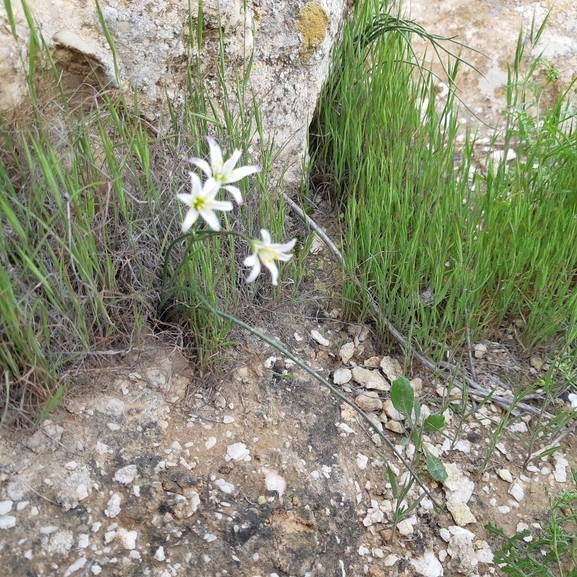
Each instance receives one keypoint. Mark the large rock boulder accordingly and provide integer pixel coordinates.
(290, 43)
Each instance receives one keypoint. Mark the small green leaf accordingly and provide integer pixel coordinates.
(392, 480)
(550, 451)
(435, 467)
(434, 423)
(403, 397)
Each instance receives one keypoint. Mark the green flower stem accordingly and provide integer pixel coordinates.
(334, 391)
(195, 236)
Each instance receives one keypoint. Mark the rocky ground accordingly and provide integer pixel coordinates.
(147, 471)
(151, 468)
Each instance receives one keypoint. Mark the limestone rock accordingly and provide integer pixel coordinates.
(290, 44)
(368, 402)
(370, 379)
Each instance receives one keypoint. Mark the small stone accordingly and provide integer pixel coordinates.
(237, 452)
(319, 338)
(113, 506)
(210, 443)
(370, 379)
(46, 438)
(369, 403)
(224, 486)
(273, 481)
(126, 475)
(71, 465)
(102, 448)
(391, 412)
(127, 538)
(5, 507)
(427, 565)
(457, 485)
(537, 363)
(391, 368)
(405, 527)
(386, 534)
(460, 512)
(346, 352)
(372, 362)
(7, 522)
(78, 564)
(342, 376)
(391, 559)
(395, 426)
(519, 427)
(480, 350)
(362, 461)
(228, 419)
(417, 385)
(505, 474)
(516, 491)
(159, 555)
(504, 509)
(83, 540)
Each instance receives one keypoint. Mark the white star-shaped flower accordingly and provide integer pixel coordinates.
(201, 202)
(224, 172)
(266, 252)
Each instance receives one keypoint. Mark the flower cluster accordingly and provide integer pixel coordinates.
(202, 202)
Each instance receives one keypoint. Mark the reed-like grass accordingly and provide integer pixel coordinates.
(442, 245)
(87, 210)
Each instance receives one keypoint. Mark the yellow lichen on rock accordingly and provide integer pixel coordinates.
(312, 22)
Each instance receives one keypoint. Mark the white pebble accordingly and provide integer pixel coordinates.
(505, 474)
(159, 555)
(7, 521)
(83, 540)
(75, 566)
(5, 507)
(127, 538)
(224, 486)
(113, 506)
(362, 461)
(126, 475)
(427, 565)
(273, 481)
(210, 442)
(516, 490)
(228, 419)
(319, 338)
(237, 452)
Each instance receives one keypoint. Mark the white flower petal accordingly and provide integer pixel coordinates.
(215, 152)
(202, 164)
(265, 236)
(251, 260)
(241, 172)
(273, 271)
(235, 193)
(255, 268)
(188, 199)
(211, 219)
(228, 166)
(189, 219)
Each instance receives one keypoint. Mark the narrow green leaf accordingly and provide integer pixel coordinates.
(435, 467)
(403, 397)
(11, 20)
(434, 423)
(392, 480)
